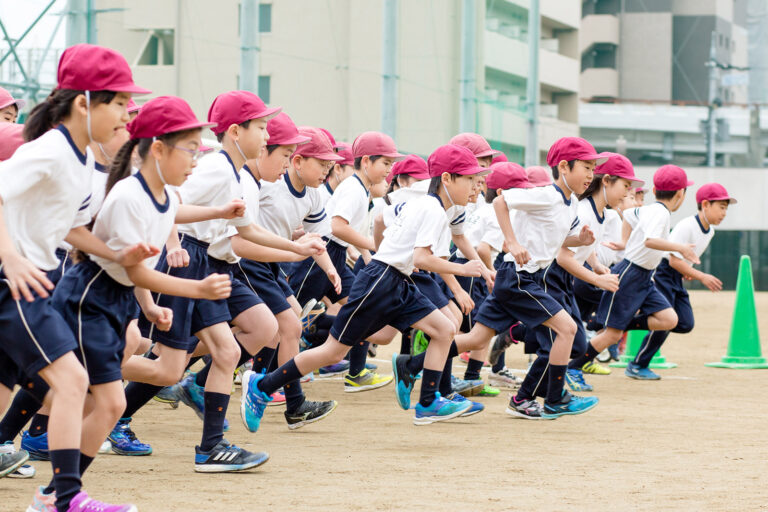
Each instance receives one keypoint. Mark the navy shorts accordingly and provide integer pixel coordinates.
(32, 335)
(309, 281)
(427, 284)
(64, 263)
(380, 296)
(243, 296)
(558, 284)
(587, 297)
(266, 280)
(636, 294)
(475, 287)
(670, 283)
(97, 309)
(517, 296)
(189, 315)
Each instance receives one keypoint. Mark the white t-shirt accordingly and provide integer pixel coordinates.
(479, 219)
(214, 182)
(283, 209)
(46, 189)
(130, 215)
(611, 233)
(650, 221)
(589, 216)
(350, 201)
(544, 219)
(690, 230)
(326, 192)
(421, 222)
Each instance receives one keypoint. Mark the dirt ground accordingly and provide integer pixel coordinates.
(696, 440)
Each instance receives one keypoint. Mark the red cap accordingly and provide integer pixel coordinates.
(345, 151)
(237, 107)
(87, 67)
(619, 165)
(161, 115)
(412, 165)
(506, 175)
(132, 106)
(475, 143)
(539, 176)
(641, 189)
(453, 159)
(336, 145)
(283, 132)
(670, 178)
(713, 192)
(375, 143)
(573, 148)
(319, 145)
(501, 157)
(6, 100)
(11, 137)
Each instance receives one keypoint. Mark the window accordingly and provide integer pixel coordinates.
(158, 48)
(265, 17)
(264, 87)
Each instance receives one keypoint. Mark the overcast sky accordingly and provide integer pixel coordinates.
(17, 15)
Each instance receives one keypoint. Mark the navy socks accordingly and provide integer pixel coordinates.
(213, 419)
(279, 378)
(66, 476)
(429, 385)
(23, 407)
(577, 362)
(357, 357)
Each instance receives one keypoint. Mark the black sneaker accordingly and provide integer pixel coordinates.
(528, 409)
(10, 462)
(225, 458)
(309, 412)
(502, 342)
(403, 380)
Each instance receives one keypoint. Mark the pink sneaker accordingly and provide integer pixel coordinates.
(278, 398)
(82, 503)
(43, 502)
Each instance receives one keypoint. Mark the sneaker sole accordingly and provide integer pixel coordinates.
(503, 385)
(395, 378)
(124, 453)
(568, 413)
(173, 403)
(229, 468)
(356, 389)
(20, 474)
(37, 456)
(473, 391)
(516, 414)
(326, 375)
(14, 467)
(471, 413)
(294, 426)
(428, 420)
(638, 377)
(273, 403)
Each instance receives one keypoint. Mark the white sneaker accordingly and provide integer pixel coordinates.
(24, 471)
(504, 379)
(106, 447)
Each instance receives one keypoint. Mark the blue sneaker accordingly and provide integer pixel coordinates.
(333, 369)
(467, 388)
(37, 446)
(125, 442)
(371, 366)
(225, 458)
(633, 371)
(569, 405)
(167, 395)
(253, 401)
(613, 350)
(403, 380)
(440, 409)
(475, 407)
(575, 380)
(192, 395)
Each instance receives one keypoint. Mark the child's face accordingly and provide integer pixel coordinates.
(274, 165)
(616, 192)
(253, 140)
(311, 170)
(460, 187)
(477, 189)
(485, 161)
(9, 114)
(580, 176)
(639, 198)
(379, 189)
(107, 119)
(377, 171)
(177, 160)
(113, 146)
(714, 211)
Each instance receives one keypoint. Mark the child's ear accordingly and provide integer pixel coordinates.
(562, 166)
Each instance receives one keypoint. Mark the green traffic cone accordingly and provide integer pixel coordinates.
(634, 342)
(744, 346)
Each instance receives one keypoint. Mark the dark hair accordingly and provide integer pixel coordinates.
(359, 160)
(271, 148)
(597, 184)
(556, 172)
(121, 165)
(396, 182)
(434, 184)
(57, 107)
(663, 195)
(490, 195)
(726, 201)
(244, 124)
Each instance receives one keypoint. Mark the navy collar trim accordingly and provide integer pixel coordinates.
(237, 174)
(594, 209)
(662, 204)
(328, 187)
(79, 154)
(162, 208)
(249, 171)
(438, 198)
(701, 226)
(565, 200)
(100, 167)
(293, 191)
(361, 184)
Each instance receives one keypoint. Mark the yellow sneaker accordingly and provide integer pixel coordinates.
(595, 368)
(364, 381)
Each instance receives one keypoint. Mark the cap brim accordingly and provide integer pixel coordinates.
(488, 152)
(19, 103)
(298, 140)
(329, 157)
(268, 114)
(192, 126)
(204, 149)
(482, 171)
(690, 183)
(396, 156)
(599, 158)
(636, 183)
(131, 88)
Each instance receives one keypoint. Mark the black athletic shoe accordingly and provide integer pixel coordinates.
(309, 412)
(502, 342)
(225, 458)
(403, 380)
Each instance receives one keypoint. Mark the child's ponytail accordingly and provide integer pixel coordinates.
(121, 165)
(56, 108)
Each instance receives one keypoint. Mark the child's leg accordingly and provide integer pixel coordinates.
(5, 397)
(441, 331)
(597, 344)
(655, 338)
(164, 367)
(108, 405)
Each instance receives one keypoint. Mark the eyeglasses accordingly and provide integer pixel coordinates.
(194, 153)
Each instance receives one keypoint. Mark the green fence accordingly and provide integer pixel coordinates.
(722, 258)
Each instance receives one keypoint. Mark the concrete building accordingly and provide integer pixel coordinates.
(322, 61)
(645, 80)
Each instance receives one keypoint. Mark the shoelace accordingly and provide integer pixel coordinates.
(127, 432)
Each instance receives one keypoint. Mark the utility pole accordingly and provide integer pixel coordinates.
(534, 36)
(468, 60)
(389, 69)
(249, 46)
(81, 22)
(712, 65)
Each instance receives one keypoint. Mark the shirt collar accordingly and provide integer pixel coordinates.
(100, 167)
(162, 208)
(226, 155)
(565, 200)
(293, 191)
(361, 183)
(79, 154)
(594, 209)
(249, 171)
(438, 198)
(662, 204)
(701, 226)
(328, 188)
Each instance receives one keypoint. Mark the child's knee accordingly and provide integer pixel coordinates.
(227, 356)
(684, 325)
(668, 319)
